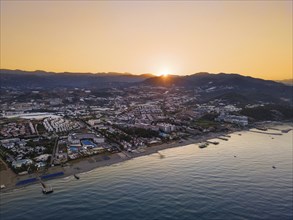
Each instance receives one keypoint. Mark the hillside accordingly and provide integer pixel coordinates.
(233, 88)
(48, 80)
(228, 86)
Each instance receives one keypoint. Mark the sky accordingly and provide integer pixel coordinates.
(161, 37)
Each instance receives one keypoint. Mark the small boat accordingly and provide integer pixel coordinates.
(76, 177)
(203, 145)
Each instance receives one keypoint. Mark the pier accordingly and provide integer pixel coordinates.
(261, 128)
(270, 133)
(223, 138)
(275, 129)
(286, 130)
(45, 189)
(213, 142)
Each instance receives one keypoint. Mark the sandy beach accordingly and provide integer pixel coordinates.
(9, 178)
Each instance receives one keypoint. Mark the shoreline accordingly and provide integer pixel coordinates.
(87, 164)
(83, 165)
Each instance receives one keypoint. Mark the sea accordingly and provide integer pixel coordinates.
(247, 177)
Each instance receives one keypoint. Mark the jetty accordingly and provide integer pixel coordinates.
(45, 188)
(213, 142)
(261, 128)
(281, 130)
(270, 133)
(223, 138)
(286, 130)
(275, 129)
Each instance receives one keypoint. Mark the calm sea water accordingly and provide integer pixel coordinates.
(188, 183)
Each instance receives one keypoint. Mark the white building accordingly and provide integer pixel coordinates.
(235, 119)
(167, 128)
(19, 163)
(43, 157)
(94, 122)
(75, 138)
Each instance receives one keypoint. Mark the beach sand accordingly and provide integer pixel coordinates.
(9, 179)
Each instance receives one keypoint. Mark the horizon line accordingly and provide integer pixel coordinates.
(135, 74)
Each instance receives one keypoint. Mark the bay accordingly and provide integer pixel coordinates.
(232, 180)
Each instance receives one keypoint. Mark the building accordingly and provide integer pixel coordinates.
(76, 138)
(43, 157)
(234, 119)
(19, 163)
(167, 128)
(94, 122)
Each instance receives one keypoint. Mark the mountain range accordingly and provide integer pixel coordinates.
(49, 80)
(222, 85)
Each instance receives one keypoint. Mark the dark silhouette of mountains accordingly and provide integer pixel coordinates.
(207, 80)
(49, 80)
(286, 81)
(231, 87)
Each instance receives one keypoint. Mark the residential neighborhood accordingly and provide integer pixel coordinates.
(42, 132)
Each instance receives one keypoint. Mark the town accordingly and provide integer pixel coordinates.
(40, 129)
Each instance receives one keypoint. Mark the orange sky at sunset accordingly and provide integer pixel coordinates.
(247, 37)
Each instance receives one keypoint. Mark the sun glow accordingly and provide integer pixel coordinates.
(164, 73)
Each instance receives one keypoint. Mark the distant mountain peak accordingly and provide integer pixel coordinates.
(202, 73)
(286, 81)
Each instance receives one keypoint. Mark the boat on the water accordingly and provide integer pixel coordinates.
(76, 177)
(203, 145)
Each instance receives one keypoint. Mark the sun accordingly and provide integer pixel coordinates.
(164, 73)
